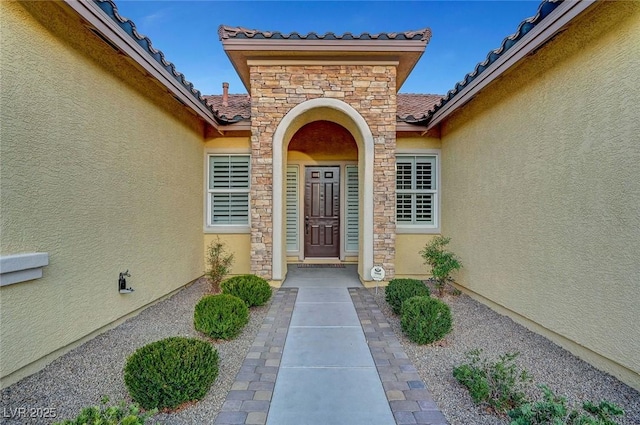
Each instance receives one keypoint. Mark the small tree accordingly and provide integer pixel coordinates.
(219, 263)
(442, 262)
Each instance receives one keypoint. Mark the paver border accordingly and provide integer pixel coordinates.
(410, 400)
(249, 399)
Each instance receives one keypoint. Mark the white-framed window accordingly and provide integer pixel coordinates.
(417, 192)
(228, 179)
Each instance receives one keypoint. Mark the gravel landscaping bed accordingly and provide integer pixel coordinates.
(81, 377)
(477, 326)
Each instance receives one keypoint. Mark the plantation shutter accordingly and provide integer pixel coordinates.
(292, 209)
(229, 189)
(352, 208)
(425, 185)
(415, 189)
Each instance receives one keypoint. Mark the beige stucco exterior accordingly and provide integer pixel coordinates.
(105, 171)
(101, 170)
(409, 263)
(541, 192)
(238, 244)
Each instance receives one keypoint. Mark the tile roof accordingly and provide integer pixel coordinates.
(109, 7)
(226, 32)
(414, 107)
(238, 107)
(545, 8)
(411, 107)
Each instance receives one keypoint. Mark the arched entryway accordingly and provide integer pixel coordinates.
(322, 194)
(342, 114)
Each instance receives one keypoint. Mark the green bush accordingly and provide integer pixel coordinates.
(441, 261)
(553, 410)
(220, 316)
(250, 288)
(218, 263)
(497, 385)
(425, 319)
(120, 414)
(170, 372)
(400, 290)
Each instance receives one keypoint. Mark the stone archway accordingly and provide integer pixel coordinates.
(345, 115)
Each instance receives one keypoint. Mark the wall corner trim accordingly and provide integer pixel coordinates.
(22, 267)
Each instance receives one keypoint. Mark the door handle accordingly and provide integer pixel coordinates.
(306, 225)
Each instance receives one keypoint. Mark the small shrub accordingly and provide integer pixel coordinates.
(120, 414)
(425, 320)
(218, 262)
(170, 372)
(220, 316)
(442, 262)
(498, 385)
(553, 410)
(250, 288)
(400, 290)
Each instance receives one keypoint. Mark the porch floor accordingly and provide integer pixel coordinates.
(326, 355)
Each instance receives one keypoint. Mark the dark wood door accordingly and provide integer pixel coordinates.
(322, 212)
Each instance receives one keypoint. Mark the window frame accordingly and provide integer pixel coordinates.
(209, 226)
(421, 228)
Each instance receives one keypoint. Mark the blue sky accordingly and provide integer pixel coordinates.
(463, 32)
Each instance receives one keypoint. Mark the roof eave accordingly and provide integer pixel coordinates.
(539, 35)
(405, 53)
(102, 23)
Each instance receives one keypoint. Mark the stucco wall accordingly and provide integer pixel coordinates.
(541, 190)
(102, 170)
(409, 263)
(239, 244)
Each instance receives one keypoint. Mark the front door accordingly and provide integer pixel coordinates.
(322, 212)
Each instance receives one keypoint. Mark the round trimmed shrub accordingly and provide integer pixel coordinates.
(400, 290)
(425, 320)
(250, 288)
(170, 372)
(220, 316)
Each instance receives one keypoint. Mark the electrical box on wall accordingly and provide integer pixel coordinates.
(122, 283)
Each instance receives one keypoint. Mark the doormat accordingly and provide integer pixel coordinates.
(321, 266)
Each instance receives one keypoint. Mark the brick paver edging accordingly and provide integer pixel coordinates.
(410, 400)
(250, 396)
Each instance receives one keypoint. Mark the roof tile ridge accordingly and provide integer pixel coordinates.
(128, 26)
(227, 32)
(544, 9)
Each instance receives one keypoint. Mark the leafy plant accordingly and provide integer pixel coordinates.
(220, 316)
(119, 414)
(170, 372)
(498, 385)
(442, 262)
(425, 319)
(400, 290)
(553, 410)
(219, 263)
(250, 288)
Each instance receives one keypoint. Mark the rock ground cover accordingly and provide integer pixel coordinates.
(477, 326)
(81, 377)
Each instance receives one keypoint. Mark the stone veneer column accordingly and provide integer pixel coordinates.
(275, 90)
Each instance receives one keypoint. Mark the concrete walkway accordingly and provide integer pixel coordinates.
(326, 355)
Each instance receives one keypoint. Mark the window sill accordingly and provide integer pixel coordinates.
(227, 229)
(417, 230)
(22, 267)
